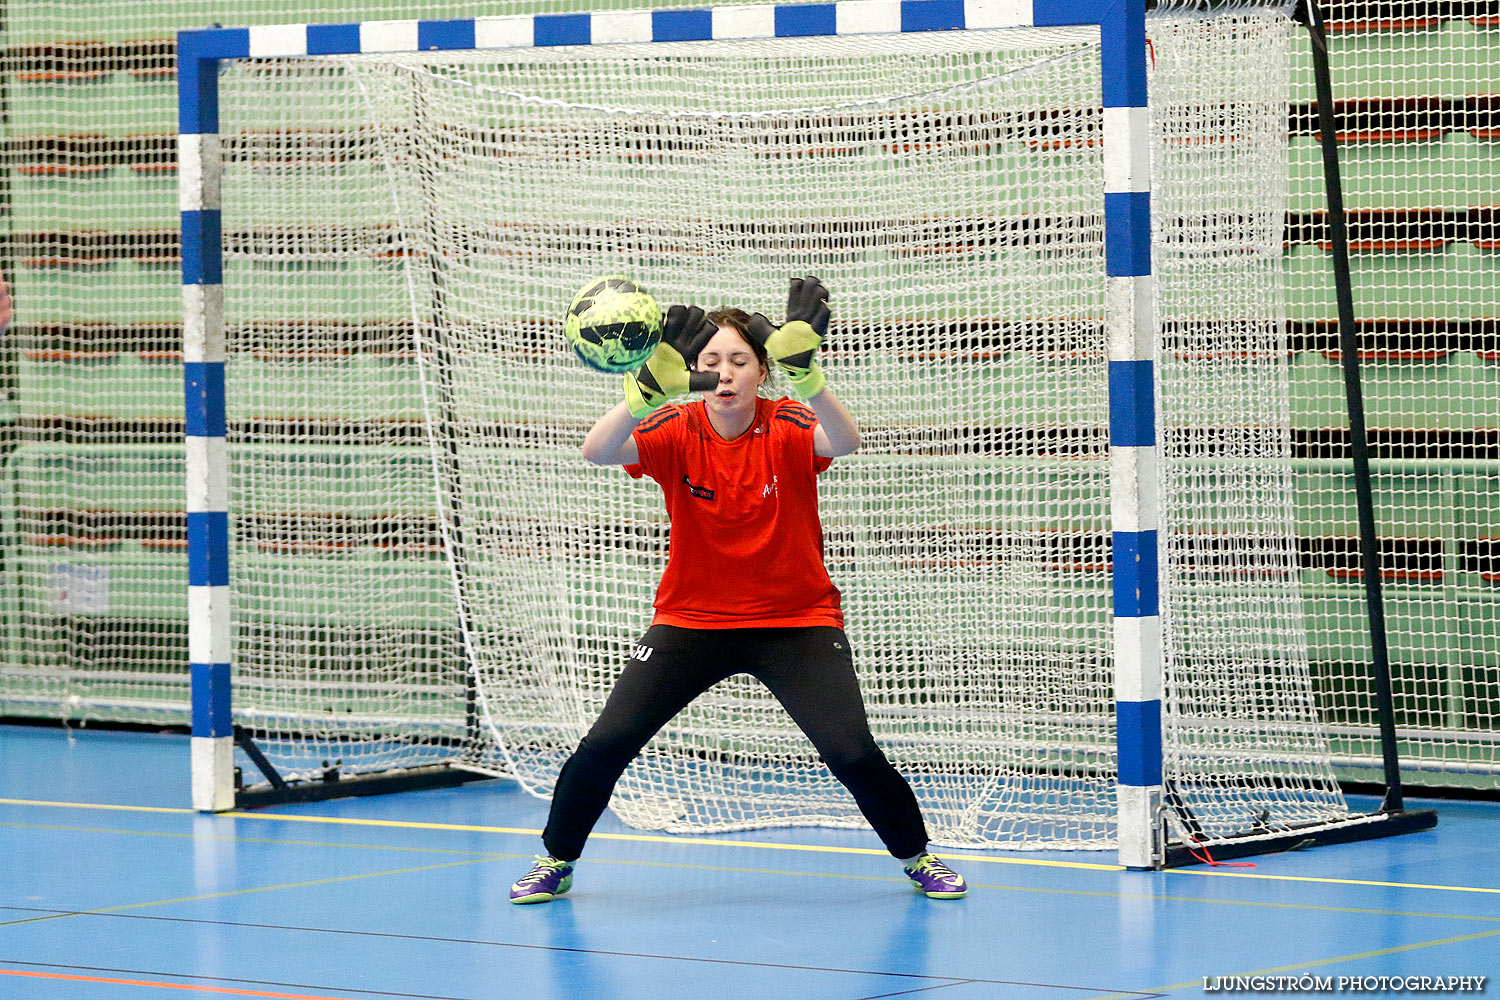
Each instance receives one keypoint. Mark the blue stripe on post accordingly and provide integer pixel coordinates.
(1138, 742)
(203, 397)
(1051, 13)
(208, 548)
(932, 15)
(198, 53)
(1132, 404)
(1123, 57)
(806, 19)
(1127, 233)
(332, 39)
(202, 247)
(682, 25)
(197, 95)
(214, 43)
(454, 34)
(211, 699)
(562, 29)
(1135, 571)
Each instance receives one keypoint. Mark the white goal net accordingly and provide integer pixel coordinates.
(425, 569)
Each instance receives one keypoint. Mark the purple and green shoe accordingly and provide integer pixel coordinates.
(548, 879)
(935, 879)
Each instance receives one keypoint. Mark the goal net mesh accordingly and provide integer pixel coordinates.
(426, 569)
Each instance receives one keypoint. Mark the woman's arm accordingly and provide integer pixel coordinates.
(611, 440)
(837, 433)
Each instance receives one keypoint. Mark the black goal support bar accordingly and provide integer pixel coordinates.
(332, 783)
(1359, 446)
(1382, 823)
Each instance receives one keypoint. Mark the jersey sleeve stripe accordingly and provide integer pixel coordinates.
(793, 420)
(656, 421)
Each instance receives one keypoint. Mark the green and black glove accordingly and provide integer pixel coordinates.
(794, 344)
(665, 374)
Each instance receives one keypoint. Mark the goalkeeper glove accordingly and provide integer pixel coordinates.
(794, 345)
(687, 330)
(665, 374)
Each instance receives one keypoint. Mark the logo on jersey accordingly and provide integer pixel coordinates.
(701, 492)
(642, 653)
(770, 488)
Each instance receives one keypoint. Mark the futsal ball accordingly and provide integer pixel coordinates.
(613, 324)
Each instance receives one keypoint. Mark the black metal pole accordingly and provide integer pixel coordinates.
(436, 268)
(1359, 447)
(247, 743)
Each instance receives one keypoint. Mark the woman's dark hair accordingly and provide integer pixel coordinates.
(739, 320)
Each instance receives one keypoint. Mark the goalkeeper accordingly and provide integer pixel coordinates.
(745, 589)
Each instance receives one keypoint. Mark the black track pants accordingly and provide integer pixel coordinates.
(809, 670)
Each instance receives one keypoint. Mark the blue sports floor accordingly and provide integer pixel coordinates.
(111, 889)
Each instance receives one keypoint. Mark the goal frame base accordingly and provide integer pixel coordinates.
(1367, 826)
(335, 785)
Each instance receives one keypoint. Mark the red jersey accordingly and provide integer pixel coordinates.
(746, 546)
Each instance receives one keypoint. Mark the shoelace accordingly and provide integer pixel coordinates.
(541, 871)
(935, 867)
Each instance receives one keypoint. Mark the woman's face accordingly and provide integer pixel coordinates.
(740, 372)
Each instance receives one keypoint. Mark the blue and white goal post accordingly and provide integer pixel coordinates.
(1129, 297)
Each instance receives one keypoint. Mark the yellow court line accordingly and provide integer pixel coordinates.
(753, 844)
(740, 869)
(331, 880)
(1335, 881)
(233, 838)
(528, 832)
(95, 805)
(642, 838)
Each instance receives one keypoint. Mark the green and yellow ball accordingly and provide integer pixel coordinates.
(613, 324)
